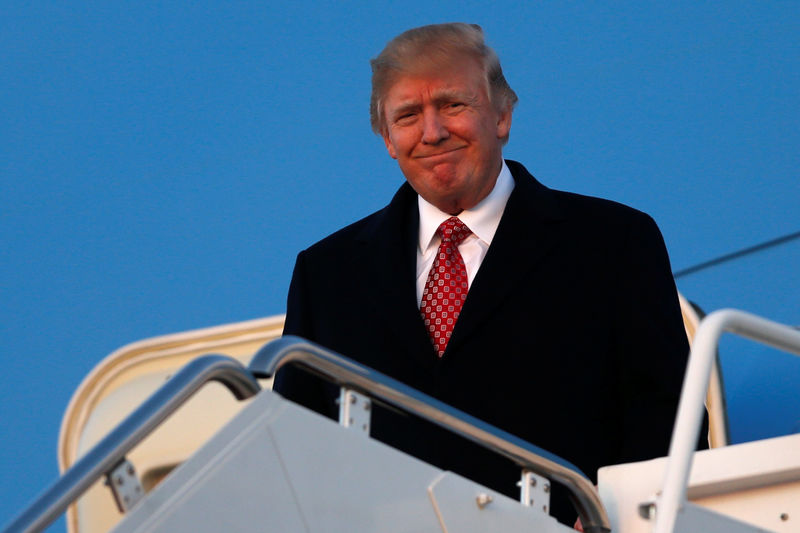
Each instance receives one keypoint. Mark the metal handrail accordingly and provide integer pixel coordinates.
(690, 408)
(345, 372)
(113, 448)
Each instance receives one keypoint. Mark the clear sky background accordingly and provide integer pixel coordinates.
(162, 164)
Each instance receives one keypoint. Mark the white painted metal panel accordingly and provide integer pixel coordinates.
(280, 467)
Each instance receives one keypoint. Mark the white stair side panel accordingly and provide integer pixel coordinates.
(456, 502)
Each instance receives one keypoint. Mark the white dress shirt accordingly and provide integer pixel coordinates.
(482, 220)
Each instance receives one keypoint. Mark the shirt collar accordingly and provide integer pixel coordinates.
(482, 219)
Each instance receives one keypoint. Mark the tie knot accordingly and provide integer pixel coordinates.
(453, 230)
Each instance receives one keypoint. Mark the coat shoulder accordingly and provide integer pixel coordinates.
(392, 220)
(346, 236)
(562, 205)
(600, 210)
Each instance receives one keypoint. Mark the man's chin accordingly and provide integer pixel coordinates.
(446, 200)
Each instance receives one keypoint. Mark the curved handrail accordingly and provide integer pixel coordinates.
(690, 408)
(114, 446)
(345, 372)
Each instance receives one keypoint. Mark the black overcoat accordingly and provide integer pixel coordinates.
(570, 337)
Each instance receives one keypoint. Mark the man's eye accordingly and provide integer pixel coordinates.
(404, 118)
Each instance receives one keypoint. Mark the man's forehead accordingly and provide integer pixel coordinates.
(443, 82)
(412, 89)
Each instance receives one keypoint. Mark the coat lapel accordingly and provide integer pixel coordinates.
(391, 256)
(528, 231)
(530, 224)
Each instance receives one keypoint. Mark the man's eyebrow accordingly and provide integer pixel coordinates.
(439, 96)
(403, 107)
(452, 94)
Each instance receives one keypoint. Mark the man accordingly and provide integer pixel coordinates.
(550, 315)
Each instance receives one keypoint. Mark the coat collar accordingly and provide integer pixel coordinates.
(528, 231)
(530, 217)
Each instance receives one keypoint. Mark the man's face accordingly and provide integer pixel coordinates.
(445, 133)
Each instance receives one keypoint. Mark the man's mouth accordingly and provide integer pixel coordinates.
(438, 153)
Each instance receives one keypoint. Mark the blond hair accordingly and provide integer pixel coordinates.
(436, 44)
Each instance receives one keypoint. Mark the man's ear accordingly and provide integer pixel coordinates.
(504, 123)
(389, 146)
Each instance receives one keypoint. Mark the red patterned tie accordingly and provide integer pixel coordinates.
(446, 287)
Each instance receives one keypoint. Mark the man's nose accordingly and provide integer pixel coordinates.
(434, 130)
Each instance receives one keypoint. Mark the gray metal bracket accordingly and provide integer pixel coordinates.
(355, 410)
(535, 491)
(125, 485)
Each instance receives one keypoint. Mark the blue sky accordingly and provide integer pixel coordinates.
(162, 165)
